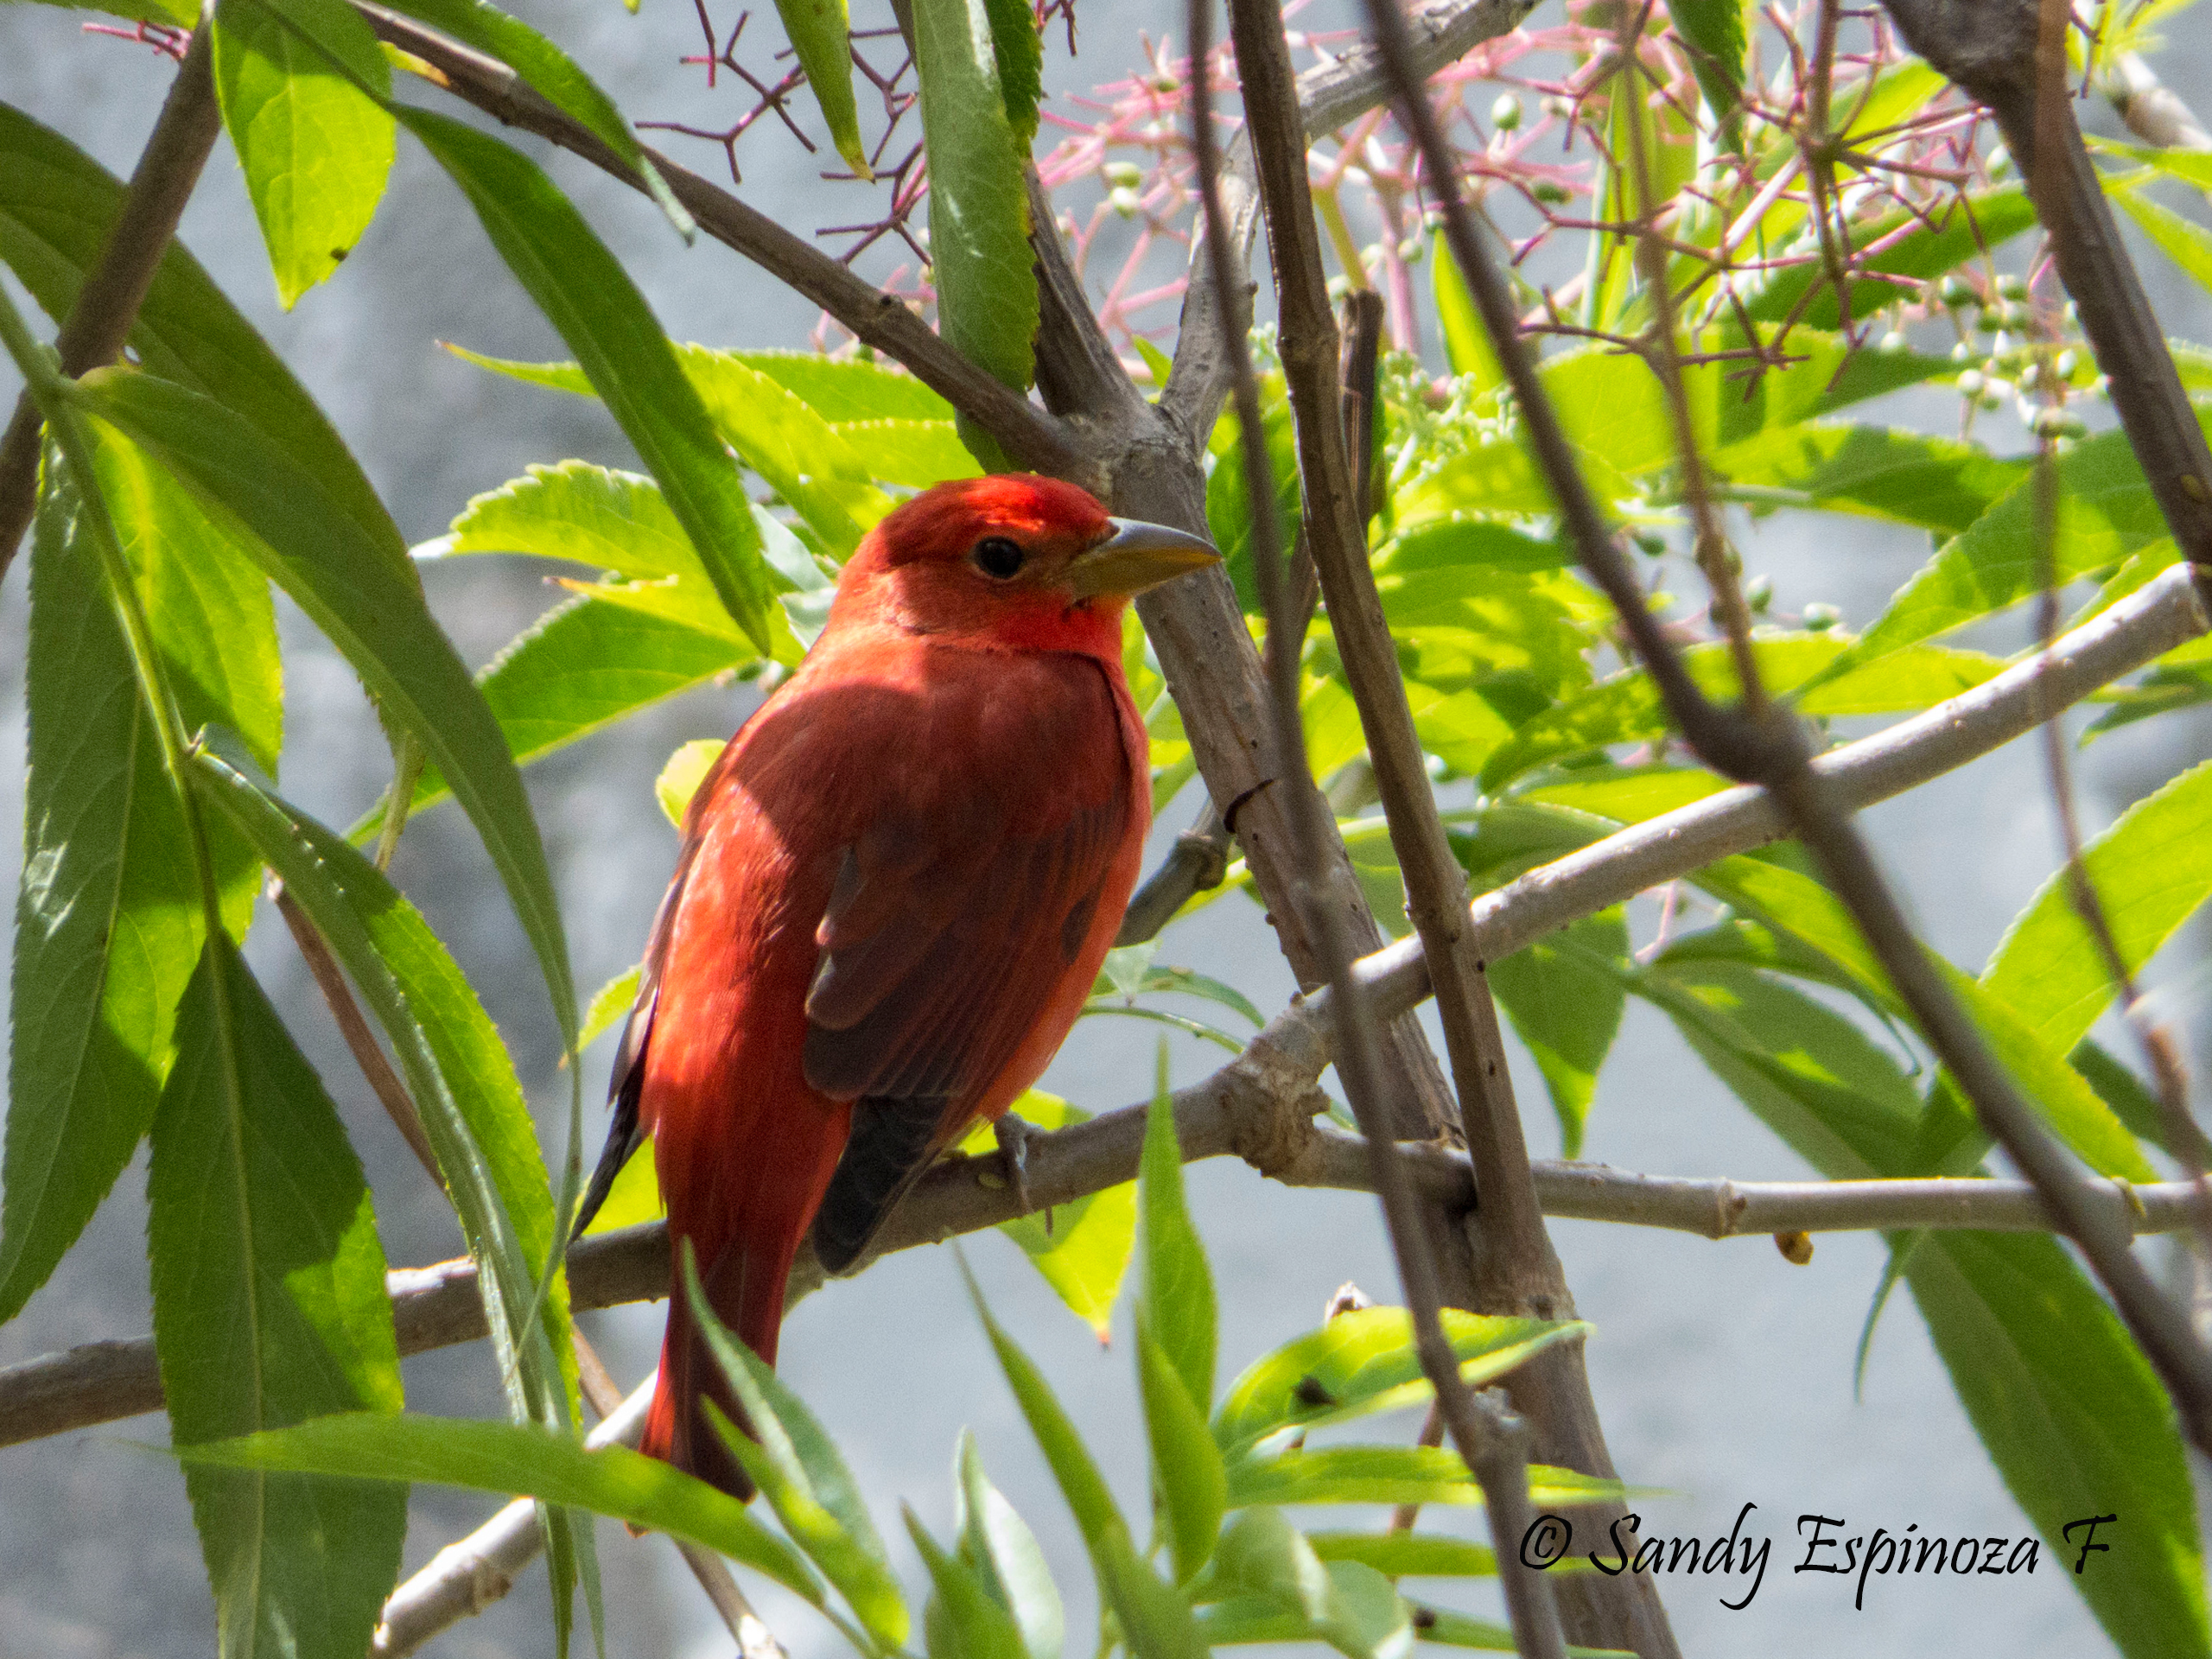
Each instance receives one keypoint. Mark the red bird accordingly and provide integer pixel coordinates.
(893, 893)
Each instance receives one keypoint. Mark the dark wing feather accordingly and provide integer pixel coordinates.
(934, 969)
(626, 1084)
(892, 1143)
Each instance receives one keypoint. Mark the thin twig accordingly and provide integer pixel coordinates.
(1493, 1451)
(753, 1637)
(383, 1081)
(106, 305)
(1773, 752)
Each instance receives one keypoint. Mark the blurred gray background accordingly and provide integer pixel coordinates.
(1723, 1373)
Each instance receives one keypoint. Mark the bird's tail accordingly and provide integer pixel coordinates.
(744, 1287)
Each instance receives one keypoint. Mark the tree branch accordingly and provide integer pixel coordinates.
(107, 303)
(1771, 748)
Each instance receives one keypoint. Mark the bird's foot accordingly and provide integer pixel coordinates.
(1012, 1135)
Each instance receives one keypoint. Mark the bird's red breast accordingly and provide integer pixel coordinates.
(894, 892)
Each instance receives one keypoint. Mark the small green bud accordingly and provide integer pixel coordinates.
(2012, 288)
(1971, 383)
(1893, 343)
(1411, 250)
(1962, 352)
(1123, 202)
(2001, 162)
(2069, 360)
(1820, 617)
(1122, 175)
(1652, 542)
(1551, 193)
(1953, 293)
(1759, 593)
(1505, 114)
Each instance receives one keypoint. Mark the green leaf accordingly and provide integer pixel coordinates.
(108, 922)
(1018, 43)
(57, 210)
(1347, 1604)
(1363, 1362)
(511, 1460)
(799, 1471)
(270, 1308)
(590, 300)
(364, 601)
(1186, 1469)
(457, 1070)
(558, 77)
(999, 1545)
(820, 35)
(2077, 1423)
(609, 1003)
(1911, 243)
(1907, 478)
(1155, 1621)
(2151, 871)
(1080, 1482)
(1714, 31)
(1407, 1554)
(1567, 1010)
(2060, 1394)
(1466, 342)
(986, 276)
(2106, 511)
(1177, 1299)
(1081, 1249)
(315, 146)
(915, 453)
(2131, 1101)
(1394, 1474)
(1229, 507)
(962, 1619)
(1626, 708)
(2187, 244)
(680, 779)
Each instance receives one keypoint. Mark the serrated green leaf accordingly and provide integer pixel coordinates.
(515, 1461)
(457, 1070)
(918, 454)
(1186, 1469)
(598, 311)
(1626, 708)
(367, 605)
(986, 276)
(1911, 243)
(1364, 1362)
(2106, 511)
(270, 1308)
(316, 147)
(1177, 1296)
(1566, 1012)
(998, 1544)
(1907, 478)
(2151, 871)
(58, 208)
(1018, 44)
(109, 924)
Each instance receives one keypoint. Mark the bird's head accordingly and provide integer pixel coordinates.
(1012, 561)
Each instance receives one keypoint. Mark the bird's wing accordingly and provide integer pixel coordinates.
(626, 1084)
(945, 942)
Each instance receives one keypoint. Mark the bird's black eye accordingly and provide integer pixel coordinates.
(997, 556)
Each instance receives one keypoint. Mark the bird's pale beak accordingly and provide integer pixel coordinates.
(1137, 556)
